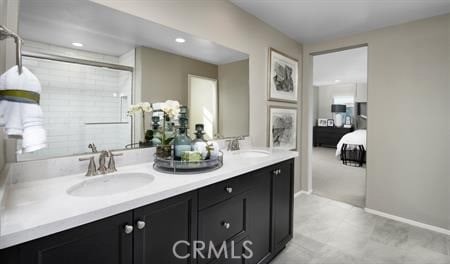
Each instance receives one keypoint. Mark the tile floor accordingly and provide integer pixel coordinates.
(331, 232)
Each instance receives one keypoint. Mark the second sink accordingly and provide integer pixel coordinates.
(251, 153)
(110, 184)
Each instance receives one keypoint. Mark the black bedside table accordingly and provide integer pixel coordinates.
(328, 136)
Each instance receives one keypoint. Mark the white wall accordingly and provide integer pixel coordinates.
(73, 95)
(225, 24)
(326, 95)
(409, 127)
(203, 105)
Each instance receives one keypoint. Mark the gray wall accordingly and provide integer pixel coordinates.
(408, 129)
(233, 99)
(230, 26)
(164, 75)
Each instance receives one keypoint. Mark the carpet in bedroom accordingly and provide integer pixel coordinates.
(332, 179)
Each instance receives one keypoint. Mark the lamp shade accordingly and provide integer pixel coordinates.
(338, 108)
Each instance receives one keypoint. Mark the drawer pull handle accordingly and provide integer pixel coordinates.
(140, 224)
(229, 189)
(226, 225)
(128, 229)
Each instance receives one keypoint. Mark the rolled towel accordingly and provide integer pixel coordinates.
(214, 149)
(22, 119)
(201, 148)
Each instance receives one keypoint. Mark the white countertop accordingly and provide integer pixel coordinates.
(34, 209)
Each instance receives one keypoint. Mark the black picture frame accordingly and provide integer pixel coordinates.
(330, 123)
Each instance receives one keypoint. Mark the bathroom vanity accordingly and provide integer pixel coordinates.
(247, 199)
(50, 212)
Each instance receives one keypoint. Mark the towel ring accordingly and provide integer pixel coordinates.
(6, 33)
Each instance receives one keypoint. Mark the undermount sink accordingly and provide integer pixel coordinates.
(110, 184)
(252, 153)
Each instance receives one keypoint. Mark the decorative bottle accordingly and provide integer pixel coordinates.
(182, 143)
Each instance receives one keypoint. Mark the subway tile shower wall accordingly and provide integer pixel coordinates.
(74, 96)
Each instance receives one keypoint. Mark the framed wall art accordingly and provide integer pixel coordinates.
(282, 127)
(283, 77)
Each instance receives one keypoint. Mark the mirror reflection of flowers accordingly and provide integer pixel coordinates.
(143, 107)
(171, 109)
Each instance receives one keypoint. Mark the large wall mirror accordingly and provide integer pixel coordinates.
(93, 62)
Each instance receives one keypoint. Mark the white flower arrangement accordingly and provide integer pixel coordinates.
(171, 108)
(144, 107)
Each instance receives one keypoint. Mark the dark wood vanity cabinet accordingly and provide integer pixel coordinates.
(166, 222)
(103, 241)
(282, 204)
(141, 236)
(255, 207)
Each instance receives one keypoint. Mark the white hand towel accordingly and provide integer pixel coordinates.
(23, 120)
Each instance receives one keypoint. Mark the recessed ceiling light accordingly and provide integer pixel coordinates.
(337, 81)
(77, 44)
(180, 40)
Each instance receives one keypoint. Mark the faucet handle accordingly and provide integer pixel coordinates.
(112, 162)
(92, 170)
(111, 154)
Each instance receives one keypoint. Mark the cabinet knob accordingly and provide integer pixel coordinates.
(128, 229)
(226, 225)
(140, 224)
(229, 189)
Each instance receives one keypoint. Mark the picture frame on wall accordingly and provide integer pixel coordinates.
(282, 127)
(322, 122)
(330, 122)
(283, 77)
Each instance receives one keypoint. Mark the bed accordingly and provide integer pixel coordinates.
(352, 147)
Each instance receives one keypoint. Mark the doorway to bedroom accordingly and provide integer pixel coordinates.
(340, 125)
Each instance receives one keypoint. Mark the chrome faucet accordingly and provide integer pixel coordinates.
(102, 169)
(102, 162)
(233, 144)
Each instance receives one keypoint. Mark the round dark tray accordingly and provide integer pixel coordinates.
(177, 166)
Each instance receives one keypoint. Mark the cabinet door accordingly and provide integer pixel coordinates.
(166, 223)
(282, 203)
(103, 241)
(258, 213)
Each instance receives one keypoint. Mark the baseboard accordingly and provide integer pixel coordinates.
(301, 192)
(408, 221)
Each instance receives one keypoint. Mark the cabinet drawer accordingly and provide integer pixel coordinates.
(223, 190)
(224, 221)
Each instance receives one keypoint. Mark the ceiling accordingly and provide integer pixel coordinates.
(108, 31)
(311, 21)
(348, 66)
